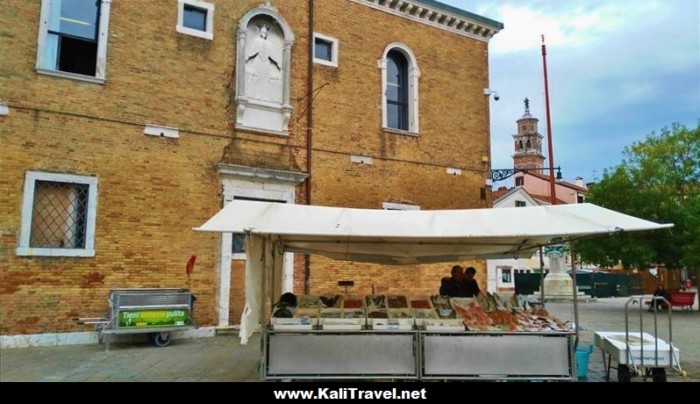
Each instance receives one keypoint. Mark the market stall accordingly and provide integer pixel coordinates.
(396, 238)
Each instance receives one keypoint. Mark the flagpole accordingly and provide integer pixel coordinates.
(552, 191)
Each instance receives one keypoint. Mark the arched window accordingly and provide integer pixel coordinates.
(400, 89)
(397, 91)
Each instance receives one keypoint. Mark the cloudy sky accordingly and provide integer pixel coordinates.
(618, 70)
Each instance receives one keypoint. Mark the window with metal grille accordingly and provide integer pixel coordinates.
(59, 215)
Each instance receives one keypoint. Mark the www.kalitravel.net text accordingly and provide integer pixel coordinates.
(350, 393)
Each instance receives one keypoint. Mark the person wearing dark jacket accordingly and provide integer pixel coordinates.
(471, 287)
(658, 303)
(454, 285)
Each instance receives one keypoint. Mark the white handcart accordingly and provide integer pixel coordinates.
(639, 353)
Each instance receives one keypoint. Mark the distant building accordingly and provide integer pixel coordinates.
(532, 188)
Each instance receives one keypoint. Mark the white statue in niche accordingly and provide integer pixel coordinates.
(263, 66)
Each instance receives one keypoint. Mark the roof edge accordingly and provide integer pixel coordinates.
(439, 15)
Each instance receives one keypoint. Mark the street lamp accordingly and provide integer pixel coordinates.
(500, 174)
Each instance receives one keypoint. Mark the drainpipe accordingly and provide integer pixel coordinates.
(309, 131)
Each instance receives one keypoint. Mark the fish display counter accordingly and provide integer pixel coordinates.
(416, 337)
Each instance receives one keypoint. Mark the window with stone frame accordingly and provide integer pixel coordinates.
(73, 39)
(58, 215)
(400, 74)
(195, 18)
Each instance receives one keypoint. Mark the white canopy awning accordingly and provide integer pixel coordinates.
(399, 237)
(420, 236)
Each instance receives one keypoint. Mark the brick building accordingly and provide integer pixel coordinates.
(124, 124)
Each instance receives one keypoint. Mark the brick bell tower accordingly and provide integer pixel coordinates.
(528, 142)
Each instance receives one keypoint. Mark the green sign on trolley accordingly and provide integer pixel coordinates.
(153, 318)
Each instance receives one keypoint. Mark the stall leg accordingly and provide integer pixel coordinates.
(658, 375)
(623, 374)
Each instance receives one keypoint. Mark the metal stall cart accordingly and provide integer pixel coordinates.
(640, 353)
(274, 231)
(153, 311)
(408, 337)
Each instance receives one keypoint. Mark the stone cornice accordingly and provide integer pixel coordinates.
(440, 16)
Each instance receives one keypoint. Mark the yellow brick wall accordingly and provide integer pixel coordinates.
(412, 169)
(152, 191)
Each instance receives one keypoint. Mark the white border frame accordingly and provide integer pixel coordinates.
(248, 108)
(413, 76)
(24, 249)
(208, 7)
(102, 38)
(334, 50)
(259, 183)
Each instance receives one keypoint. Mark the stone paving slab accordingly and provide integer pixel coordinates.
(224, 359)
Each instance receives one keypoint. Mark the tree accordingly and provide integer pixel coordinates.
(658, 180)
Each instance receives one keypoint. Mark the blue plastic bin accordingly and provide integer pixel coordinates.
(582, 355)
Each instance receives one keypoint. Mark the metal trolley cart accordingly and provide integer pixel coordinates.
(639, 353)
(153, 311)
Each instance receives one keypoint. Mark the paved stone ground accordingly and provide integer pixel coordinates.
(222, 358)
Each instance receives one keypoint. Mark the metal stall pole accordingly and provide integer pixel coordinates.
(576, 338)
(542, 277)
(573, 272)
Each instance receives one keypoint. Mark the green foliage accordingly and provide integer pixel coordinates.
(658, 180)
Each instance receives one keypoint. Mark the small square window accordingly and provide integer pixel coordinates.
(195, 18)
(58, 215)
(520, 204)
(325, 50)
(506, 276)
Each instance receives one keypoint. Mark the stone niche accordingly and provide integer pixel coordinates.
(263, 72)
